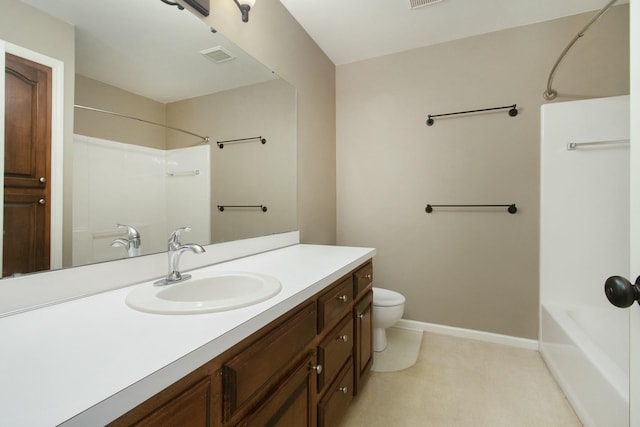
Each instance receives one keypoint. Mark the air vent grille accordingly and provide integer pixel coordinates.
(414, 4)
(217, 54)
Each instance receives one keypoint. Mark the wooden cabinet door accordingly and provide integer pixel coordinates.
(292, 403)
(27, 163)
(363, 340)
(265, 360)
(190, 408)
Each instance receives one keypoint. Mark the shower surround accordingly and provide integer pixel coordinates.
(584, 238)
(153, 190)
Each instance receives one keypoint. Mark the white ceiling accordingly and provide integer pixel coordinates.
(151, 49)
(354, 30)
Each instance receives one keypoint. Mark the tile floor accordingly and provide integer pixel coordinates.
(462, 382)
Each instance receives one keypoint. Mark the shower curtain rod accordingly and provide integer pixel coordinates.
(551, 94)
(205, 139)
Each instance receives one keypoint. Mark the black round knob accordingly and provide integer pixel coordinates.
(620, 292)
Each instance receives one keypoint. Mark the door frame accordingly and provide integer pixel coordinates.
(57, 143)
(634, 318)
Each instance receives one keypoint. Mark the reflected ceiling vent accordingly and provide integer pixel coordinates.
(414, 4)
(217, 54)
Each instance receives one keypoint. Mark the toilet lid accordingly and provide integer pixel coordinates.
(386, 297)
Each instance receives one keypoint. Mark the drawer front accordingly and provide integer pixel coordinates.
(262, 362)
(363, 278)
(333, 303)
(335, 403)
(334, 350)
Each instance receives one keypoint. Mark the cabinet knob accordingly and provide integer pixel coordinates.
(42, 179)
(317, 368)
(41, 202)
(344, 389)
(367, 276)
(343, 338)
(361, 316)
(342, 298)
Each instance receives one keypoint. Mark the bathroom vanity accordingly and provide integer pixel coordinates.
(301, 369)
(295, 359)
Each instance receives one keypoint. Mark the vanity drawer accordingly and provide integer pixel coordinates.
(333, 303)
(363, 278)
(334, 350)
(263, 361)
(335, 403)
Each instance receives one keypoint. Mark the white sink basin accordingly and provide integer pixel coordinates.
(216, 292)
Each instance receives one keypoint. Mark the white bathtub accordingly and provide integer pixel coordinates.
(585, 353)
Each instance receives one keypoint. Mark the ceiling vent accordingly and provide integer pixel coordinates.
(217, 54)
(414, 4)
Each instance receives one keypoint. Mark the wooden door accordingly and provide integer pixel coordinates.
(26, 237)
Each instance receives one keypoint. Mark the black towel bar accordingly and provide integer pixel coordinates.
(511, 208)
(222, 207)
(233, 141)
(513, 111)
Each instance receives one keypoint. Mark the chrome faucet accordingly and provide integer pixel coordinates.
(132, 243)
(174, 251)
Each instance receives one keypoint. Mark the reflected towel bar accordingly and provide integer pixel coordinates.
(511, 208)
(513, 111)
(184, 173)
(234, 141)
(575, 145)
(222, 207)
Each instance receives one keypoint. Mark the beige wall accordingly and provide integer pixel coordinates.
(248, 173)
(274, 38)
(95, 94)
(475, 269)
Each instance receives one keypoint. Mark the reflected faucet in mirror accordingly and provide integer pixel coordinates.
(174, 251)
(131, 243)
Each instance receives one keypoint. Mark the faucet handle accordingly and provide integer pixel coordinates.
(174, 238)
(131, 231)
(124, 243)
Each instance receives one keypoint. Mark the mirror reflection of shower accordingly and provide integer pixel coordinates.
(150, 190)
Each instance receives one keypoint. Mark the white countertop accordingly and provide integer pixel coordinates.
(85, 362)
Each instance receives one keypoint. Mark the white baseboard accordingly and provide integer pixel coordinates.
(468, 333)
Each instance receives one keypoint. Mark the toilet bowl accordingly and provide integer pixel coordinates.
(388, 307)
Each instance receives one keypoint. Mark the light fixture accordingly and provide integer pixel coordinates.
(245, 6)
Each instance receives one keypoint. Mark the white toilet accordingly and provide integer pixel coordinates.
(388, 307)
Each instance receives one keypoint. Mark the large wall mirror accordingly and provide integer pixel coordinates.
(151, 61)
